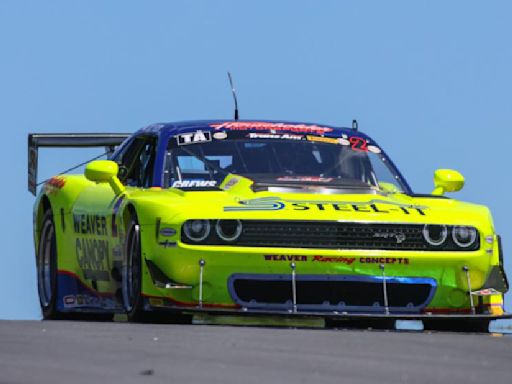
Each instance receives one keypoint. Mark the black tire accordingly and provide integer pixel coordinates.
(468, 325)
(46, 265)
(131, 284)
(132, 274)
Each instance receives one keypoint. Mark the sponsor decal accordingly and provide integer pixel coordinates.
(85, 300)
(384, 260)
(486, 292)
(260, 204)
(93, 257)
(355, 142)
(90, 224)
(266, 126)
(337, 259)
(285, 258)
(312, 179)
(77, 301)
(374, 149)
(358, 144)
(343, 140)
(334, 259)
(194, 183)
(167, 244)
(284, 136)
(92, 253)
(193, 137)
(371, 206)
(54, 185)
(220, 135)
(69, 301)
(330, 140)
(398, 236)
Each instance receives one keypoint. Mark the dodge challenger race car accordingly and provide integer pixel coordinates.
(259, 218)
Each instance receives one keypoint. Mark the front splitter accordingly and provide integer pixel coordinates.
(331, 315)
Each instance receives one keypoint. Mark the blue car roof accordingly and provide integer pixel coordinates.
(168, 130)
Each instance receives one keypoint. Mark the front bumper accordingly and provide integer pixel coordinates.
(206, 277)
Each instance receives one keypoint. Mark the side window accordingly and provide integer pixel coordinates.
(137, 161)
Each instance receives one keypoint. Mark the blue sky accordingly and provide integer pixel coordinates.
(431, 81)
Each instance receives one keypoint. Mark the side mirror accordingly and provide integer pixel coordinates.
(447, 180)
(104, 171)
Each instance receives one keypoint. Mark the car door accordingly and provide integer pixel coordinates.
(98, 240)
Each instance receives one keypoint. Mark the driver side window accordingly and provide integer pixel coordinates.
(136, 162)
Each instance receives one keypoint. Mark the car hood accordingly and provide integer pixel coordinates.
(243, 203)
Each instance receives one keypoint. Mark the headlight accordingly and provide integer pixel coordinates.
(228, 230)
(464, 236)
(435, 234)
(197, 230)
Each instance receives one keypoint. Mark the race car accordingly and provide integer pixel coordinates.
(277, 218)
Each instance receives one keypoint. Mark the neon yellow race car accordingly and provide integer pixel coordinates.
(259, 218)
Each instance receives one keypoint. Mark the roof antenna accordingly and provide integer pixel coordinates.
(234, 95)
(354, 125)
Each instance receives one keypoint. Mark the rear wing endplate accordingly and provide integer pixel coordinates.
(66, 140)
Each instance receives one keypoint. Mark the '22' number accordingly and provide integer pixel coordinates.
(358, 144)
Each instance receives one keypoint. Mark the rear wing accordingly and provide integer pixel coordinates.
(66, 140)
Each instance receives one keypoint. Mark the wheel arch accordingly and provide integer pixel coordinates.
(59, 201)
(129, 212)
(43, 206)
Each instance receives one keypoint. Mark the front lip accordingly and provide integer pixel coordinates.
(335, 315)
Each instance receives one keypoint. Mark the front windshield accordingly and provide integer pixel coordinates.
(274, 160)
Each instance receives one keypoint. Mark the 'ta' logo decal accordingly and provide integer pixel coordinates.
(193, 137)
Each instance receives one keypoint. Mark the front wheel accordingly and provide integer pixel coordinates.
(132, 284)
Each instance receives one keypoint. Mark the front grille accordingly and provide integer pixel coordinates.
(337, 235)
(342, 293)
(328, 235)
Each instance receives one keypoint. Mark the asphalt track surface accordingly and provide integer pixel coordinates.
(81, 352)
